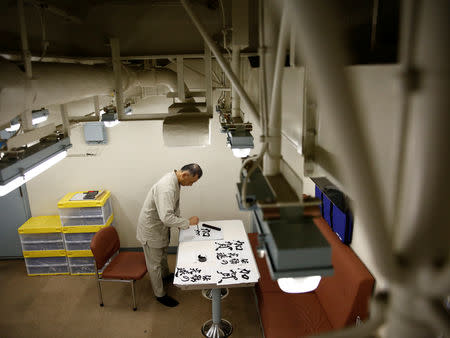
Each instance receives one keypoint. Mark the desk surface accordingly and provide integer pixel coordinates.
(229, 262)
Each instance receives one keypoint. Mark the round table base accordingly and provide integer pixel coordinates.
(211, 330)
(207, 293)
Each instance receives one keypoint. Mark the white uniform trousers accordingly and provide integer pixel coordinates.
(156, 260)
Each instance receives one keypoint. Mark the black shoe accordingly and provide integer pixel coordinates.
(167, 301)
(168, 278)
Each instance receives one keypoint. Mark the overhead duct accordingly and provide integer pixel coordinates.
(161, 76)
(54, 83)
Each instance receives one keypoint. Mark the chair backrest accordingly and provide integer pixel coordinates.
(104, 244)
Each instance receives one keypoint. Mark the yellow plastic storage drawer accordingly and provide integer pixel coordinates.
(79, 237)
(41, 233)
(47, 265)
(75, 211)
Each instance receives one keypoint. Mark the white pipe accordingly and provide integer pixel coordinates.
(221, 61)
(161, 76)
(235, 66)
(322, 52)
(273, 154)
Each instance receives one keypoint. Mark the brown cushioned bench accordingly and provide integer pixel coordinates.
(336, 303)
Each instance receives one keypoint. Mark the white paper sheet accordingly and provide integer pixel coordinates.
(227, 262)
(200, 233)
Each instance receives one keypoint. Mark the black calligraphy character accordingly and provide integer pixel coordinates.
(185, 278)
(234, 261)
(238, 245)
(221, 255)
(244, 260)
(206, 278)
(206, 232)
(194, 270)
(225, 245)
(227, 275)
(244, 273)
(180, 272)
(196, 278)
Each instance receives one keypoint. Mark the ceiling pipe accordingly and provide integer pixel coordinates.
(222, 62)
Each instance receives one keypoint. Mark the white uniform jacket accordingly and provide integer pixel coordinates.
(161, 210)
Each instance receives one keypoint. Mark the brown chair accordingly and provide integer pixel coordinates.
(127, 267)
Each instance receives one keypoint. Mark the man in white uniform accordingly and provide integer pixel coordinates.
(160, 212)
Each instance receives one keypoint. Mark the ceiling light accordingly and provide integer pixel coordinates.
(31, 173)
(128, 110)
(109, 116)
(110, 124)
(38, 116)
(299, 284)
(241, 152)
(240, 141)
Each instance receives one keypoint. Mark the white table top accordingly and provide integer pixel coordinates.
(229, 262)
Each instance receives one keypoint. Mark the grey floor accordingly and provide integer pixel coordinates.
(67, 306)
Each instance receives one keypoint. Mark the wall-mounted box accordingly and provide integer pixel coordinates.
(95, 133)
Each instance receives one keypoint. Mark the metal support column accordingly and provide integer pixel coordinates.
(235, 66)
(117, 67)
(180, 79)
(208, 80)
(97, 107)
(65, 120)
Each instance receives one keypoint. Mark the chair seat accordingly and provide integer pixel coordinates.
(126, 265)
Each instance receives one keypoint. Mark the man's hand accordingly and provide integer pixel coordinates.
(193, 220)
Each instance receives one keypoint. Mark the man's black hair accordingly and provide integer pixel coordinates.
(194, 169)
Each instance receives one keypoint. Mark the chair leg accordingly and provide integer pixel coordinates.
(99, 288)
(134, 298)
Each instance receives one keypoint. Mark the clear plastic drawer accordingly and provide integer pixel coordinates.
(78, 241)
(86, 216)
(46, 265)
(82, 270)
(48, 270)
(30, 246)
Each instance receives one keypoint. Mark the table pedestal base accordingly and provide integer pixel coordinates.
(217, 330)
(207, 293)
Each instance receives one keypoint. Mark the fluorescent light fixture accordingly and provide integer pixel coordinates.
(39, 119)
(110, 124)
(40, 168)
(14, 127)
(240, 141)
(109, 117)
(299, 284)
(30, 174)
(128, 110)
(38, 116)
(12, 185)
(241, 152)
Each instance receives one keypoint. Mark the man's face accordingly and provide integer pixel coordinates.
(187, 179)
